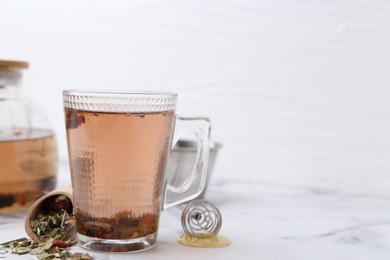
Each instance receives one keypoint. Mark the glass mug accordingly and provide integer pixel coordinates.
(118, 146)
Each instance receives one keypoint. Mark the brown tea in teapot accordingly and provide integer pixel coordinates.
(28, 167)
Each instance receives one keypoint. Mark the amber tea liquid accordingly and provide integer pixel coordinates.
(28, 167)
(117, 163)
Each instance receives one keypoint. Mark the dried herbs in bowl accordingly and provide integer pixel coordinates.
(51, 226)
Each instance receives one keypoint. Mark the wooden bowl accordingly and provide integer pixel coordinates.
(36, 208)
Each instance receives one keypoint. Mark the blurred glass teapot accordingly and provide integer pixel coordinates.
(28, 146)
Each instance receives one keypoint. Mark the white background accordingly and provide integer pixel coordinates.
(298, 91)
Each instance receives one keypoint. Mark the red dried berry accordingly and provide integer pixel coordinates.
(57, 203)
(61, 244)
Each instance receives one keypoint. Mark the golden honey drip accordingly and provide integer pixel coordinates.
(207, 242)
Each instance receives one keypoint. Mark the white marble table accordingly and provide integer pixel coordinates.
(267, 222)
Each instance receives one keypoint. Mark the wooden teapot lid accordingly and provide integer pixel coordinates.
(13, 64)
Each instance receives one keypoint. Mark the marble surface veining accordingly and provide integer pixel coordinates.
(268, 222)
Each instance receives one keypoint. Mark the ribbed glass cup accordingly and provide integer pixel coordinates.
(118, 147)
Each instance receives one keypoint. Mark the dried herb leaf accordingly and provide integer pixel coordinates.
(80, 256)
(16, 240)
(43, 245)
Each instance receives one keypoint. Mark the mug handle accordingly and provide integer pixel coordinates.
(193, 186)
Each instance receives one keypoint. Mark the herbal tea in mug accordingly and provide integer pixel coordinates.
(118, 145)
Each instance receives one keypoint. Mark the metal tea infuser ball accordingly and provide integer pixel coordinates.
(201, 219)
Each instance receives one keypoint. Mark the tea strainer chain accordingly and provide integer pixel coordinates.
(201, 218)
